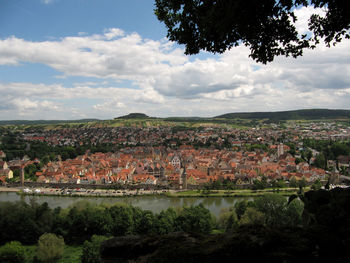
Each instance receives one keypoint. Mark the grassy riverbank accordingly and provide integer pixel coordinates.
(89, 193)
(235, 193)
(171, 193)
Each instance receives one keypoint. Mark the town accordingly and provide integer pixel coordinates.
(180, 157)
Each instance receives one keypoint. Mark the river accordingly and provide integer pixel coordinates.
(154, 203)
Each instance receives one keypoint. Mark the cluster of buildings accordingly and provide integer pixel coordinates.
(169, 156)
(7, 168)
(184, 167)
(170, 136)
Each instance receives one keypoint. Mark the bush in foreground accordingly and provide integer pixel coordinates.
(12, 252)
(50, 248)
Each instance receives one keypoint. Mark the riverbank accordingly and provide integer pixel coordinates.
(81, 192)
(235, 193)
(9, 189)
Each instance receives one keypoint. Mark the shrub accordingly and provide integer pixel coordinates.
(91, 250)
(50, 248)
(12, 252)
(252, 217)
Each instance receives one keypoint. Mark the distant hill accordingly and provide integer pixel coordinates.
(44, 122)
(311, 114)
(134, 116)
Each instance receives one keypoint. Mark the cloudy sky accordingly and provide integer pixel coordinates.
(73, 59)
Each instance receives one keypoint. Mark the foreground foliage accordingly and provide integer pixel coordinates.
(269, 225)
(50, 248)
(267, 27)
(325, 238)
(12, 252)
(91, 249)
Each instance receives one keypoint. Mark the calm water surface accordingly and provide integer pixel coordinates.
(153, 203)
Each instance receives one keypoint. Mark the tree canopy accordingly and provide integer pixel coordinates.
(266, 27)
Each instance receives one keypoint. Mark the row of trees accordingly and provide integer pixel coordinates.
(15, 147)
(329, 150)
(320, 217)
(260, 184)
(27, 222)
(270, 210)
(88, 225)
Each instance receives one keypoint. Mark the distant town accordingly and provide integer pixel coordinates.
(177, 157)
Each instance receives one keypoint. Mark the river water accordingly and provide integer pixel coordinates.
(153, 203)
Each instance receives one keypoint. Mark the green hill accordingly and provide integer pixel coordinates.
(311, 114)
(44, 122)
(134, 116)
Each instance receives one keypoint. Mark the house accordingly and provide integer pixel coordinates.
(144, 179)
(175, 161)
(344, 161)
(2, 180)
(2, 155)
(224, 167)
(173, 178)
(199, 176)
(3, 165)
(7, 173)
(191, 180)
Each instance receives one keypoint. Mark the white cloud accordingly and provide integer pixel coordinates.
(46, 2)
(127, 57)
(165, 82)
(109, 105)
(303, 15)
(113, 33)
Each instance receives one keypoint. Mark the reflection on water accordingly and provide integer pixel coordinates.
(231, 201)
(152, 203)
(218, 201)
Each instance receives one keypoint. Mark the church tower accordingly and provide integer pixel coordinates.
(280, 149)
(184, 178)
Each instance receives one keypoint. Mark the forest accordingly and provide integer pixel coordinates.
(87, 225)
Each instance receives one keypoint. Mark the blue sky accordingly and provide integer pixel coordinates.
(35, 20)
(72, 59)
(41, 20)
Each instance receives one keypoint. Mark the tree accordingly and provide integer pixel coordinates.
(320, 161)
(317, 185)
(166, 221)
(293, 182)
(252, 217)
(240, 208)
(23, 222)
(267, 27)
(302, 183)
(50, 248)
(228, 219)
(277, 212)
(293, 213)
(91, 249)
(260, 184)
(30, 171)
(195, 219)
(122, 220)
(147, 223)
(279, 183)
(12, 252)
